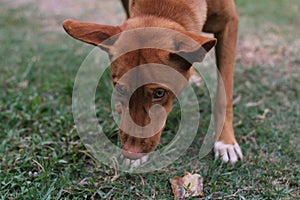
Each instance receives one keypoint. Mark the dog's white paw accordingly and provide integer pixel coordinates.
(135, 163)
(228, 152)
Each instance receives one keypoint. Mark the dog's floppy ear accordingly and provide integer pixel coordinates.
(91, 33)
(192, 48)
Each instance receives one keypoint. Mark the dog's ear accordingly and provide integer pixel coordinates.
(91, 33)
(192, 48)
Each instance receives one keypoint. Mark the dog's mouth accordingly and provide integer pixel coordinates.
(132, 155)
(135, 149)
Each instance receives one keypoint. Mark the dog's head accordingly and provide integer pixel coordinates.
(146, 93)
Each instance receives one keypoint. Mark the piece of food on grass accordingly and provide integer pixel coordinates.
(190, 185)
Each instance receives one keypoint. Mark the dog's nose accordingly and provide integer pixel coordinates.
(131, 155)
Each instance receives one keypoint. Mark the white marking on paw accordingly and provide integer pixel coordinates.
(228, 152)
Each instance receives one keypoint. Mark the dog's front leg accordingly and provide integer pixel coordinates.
(226, 146)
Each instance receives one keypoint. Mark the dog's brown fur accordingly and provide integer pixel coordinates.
(189, 17)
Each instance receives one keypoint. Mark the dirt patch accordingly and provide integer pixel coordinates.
(270, 50)
(252, 52)
(55, 11)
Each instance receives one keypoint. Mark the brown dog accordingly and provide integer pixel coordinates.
(189, 17)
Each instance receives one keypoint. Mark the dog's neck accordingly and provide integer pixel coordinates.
(171, 11)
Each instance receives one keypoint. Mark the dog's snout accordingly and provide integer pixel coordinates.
(135, 148)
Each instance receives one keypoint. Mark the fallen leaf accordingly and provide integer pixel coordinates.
(190, 185)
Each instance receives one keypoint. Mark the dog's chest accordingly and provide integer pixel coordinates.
(189, 13)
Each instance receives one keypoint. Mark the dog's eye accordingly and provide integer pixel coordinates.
(159, 93)
(121, 89)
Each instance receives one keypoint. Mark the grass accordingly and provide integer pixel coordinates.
(41, 156)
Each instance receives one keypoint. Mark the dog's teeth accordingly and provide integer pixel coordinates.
(144, 159)
(122, 158)
(136, 163)
(127, 162)
(133, 163)
(140, 161)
